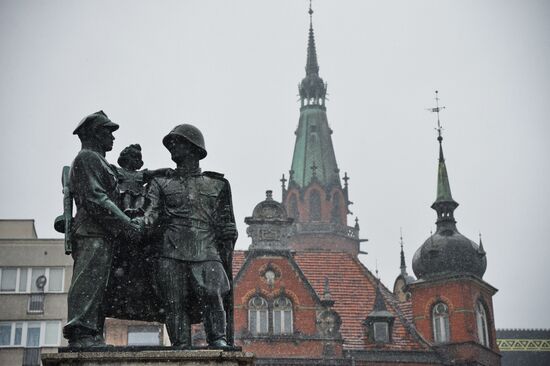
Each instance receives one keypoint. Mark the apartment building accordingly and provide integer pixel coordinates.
(35, 275)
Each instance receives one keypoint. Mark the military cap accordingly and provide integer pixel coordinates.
(94, 120)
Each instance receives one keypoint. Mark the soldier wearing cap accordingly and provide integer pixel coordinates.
(191, 213)
(98, 221)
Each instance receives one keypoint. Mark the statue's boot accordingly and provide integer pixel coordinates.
(215, 325)
(179, 330)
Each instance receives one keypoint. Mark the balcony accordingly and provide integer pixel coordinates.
(326, 228)
(36, 303)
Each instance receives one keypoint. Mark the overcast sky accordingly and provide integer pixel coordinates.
(232, 69)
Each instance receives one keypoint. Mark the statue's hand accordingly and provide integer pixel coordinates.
(135, 229)
(229, 232)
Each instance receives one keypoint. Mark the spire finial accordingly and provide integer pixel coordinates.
(444, 203)
(436, 110)
(403, 265)
(312, 67)
(345, 179)
(310, 11)
(283, 182)
(481, 250)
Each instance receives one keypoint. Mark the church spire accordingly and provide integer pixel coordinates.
(444, 203)
(312, 88)
(312, 67)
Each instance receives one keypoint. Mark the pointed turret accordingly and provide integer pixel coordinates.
(451, 303)
(403, 267)
(446, 251)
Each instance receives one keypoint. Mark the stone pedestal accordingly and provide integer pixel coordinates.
(158, 357)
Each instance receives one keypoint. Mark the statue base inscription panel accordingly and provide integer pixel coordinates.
(122, 356)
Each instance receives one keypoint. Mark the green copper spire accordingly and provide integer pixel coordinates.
(444, 203)
(314, 157)
(443, 186)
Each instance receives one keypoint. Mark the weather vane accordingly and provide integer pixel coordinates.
(437, 109)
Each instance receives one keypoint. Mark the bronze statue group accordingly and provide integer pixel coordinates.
(151, 245)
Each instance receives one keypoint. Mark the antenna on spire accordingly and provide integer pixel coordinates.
(437, 109)
(310, 11)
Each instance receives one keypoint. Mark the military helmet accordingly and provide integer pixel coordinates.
(190, 133)
(93, 120)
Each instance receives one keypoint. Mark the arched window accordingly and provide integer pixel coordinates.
(482, 329)
(257, 315)
(282, 316)
(440, 317)
(315, 206)
(294, 213)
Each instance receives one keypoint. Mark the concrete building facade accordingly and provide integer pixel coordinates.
(35, 275)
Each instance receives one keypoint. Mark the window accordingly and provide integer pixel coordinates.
(482, 328)
(315, 206)
(33, 334)
(8, 281)
(30, 334)
(282, 316)
(24, 279)
(440, 317)
(5, 334)
(257, 315)
(381, 332)
(143, 335)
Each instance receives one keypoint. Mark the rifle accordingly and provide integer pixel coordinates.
(63, 222)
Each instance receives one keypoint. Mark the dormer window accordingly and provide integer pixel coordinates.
(440, 318)
(381, 332)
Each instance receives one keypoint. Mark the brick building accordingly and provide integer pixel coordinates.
(303, 297)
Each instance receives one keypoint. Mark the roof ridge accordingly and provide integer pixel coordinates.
(524, 329)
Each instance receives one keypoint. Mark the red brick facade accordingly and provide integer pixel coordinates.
(460, 294)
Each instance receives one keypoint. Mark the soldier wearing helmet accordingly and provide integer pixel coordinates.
(98, 221)
(191, 218)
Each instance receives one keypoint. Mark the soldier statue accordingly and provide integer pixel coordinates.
(191, 216)
(98, 223)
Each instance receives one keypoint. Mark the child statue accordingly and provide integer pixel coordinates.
(132, 181)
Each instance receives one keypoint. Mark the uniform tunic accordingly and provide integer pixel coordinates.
(97, 222)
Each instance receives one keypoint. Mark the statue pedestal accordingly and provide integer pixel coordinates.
(125, 357)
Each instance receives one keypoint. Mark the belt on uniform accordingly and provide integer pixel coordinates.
(196, 223)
